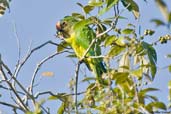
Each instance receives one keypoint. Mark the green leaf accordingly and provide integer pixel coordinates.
(169, 87)
(153, 69)
(128, 31)
(110, 4)
(144, 91)
(168, 56)
(124, 62)
(120, 42)
(100, 108)
(154, 98)
(169, 68)
(72, 55)
(82, 23)
(169, 18)
(88, 8)
(158, 22)
(78, 15)
(88, 79)
(110, 39)
(137, 73)
(95, 3)
(131, 6)
(158, 105)
(62, 46)
(163, 8)
(152, 56)
(115, 50)
(169, 84)
(120, 77)
(61, 108)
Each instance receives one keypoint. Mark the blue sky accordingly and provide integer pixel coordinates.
(35, 23)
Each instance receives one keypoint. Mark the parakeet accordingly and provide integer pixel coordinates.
(79, 38)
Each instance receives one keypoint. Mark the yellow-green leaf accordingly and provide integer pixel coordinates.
(124, 63)
(169, 18)
(158, 22)
(88, 8)
(163, 8)
(158, 105)
(152, 56)
(109, 40)
(132, 6)
(110, 4)
(95, 3)
(137, 73)
(61, 108)
(128, 31)
(88, 79)
(120, 41)
(169, 67)
(168, 56)
(169, 85)
(115, 50)
(78, 15)
(120, 77)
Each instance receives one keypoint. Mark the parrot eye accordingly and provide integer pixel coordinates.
(64, 23)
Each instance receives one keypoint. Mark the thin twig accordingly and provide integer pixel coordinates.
(18, 43)
(10, 105)
(1, 86)
(38, 67)
(76, 84)
(14, 91)
(52, 94)
(96, 57)
(15, 80)
(18, 68)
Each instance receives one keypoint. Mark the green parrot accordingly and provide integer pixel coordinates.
(79, 38)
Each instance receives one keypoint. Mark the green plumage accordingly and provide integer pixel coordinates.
(79, 35)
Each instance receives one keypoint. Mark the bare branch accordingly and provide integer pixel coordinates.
(52, 94)
(96, 57)
(15, 80)
(38, 67)
(18, 43)
(1, 86)
(18, 68)
(76, 84)
(14, 91)
(10, 105)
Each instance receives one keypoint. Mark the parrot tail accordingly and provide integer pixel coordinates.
(99, 69)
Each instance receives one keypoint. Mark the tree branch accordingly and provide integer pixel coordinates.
(24, 107)
(19, 66)
(15, 80)
(76, 85)
(10, 105)
(38, 67)
(52, 94)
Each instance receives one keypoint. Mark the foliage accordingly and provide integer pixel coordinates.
(130, 61)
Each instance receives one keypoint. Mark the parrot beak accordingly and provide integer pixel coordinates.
(58, 26)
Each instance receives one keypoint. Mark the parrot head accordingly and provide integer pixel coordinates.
(64, 26)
